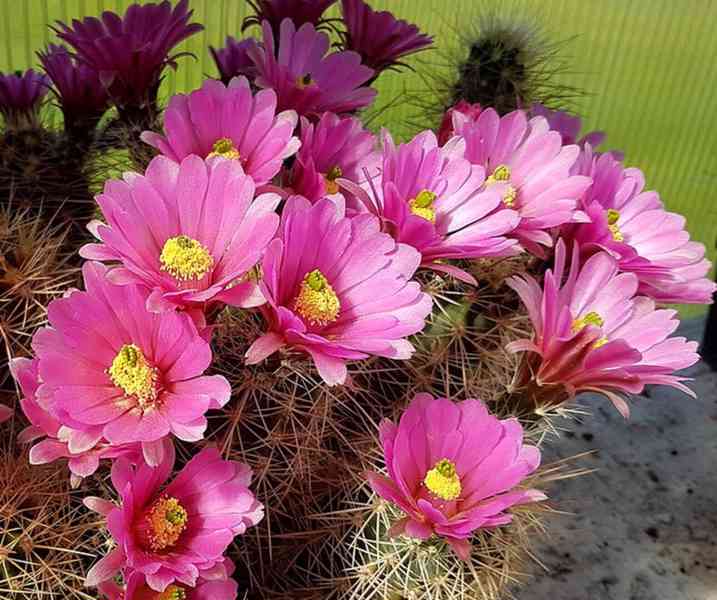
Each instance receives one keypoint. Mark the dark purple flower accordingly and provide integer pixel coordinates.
(378, 36)
(77, 86)
(20, 97)
(130, 52)
(233, 60)
(275, 11)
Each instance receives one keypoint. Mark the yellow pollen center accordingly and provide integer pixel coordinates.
(185, 258)
(600, 343)
(443, 481)
(172, 593)
(422, 205)
(317, 302)
(591, 318)
(500, 173)
(131, 372)
(303, 81)
(165, 523)
(226, 148)
(510, 195)
(613, 217)
(331, 186)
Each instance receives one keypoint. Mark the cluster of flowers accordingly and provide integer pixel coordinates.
(269, 194)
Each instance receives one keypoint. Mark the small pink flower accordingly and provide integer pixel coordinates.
(305, 78)
(111, 370)
(632, 225)
(447, 129)
(453, 468)
(189, 233)
(333, 149)
(228, 121)
(568, 126)
(21, 95)
(175, 533)
(233, 59)
(298, 11)
(531, 161)
(379, 37)
(591, 333)
(338, 289)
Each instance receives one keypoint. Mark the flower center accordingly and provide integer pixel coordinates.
(613, 217)
(591, 318)
(185, 258)
(422, 205)
(500, 173)
(331, 186)
(163, 524)
(303, 81)
(131, 372)
(172, 593)
(510, 196)
(443, 481)
(224, 147)
(317, 302)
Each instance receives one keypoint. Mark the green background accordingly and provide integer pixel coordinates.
(649, 67)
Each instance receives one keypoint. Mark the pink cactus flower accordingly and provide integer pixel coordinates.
(21, 95)
(189, 233)
(567, 125)
(233, 59)
(453, 468)
(338, 289)
(530, 160)
(228, 121)
(333, 149)
(174, 533)
(111, 370)
(298, 11)
(55, 437)
(591, 333)
(446, 130)
(212, 589)
(632, 225)
(379, 37)
(130, 53)
(433, 199)
(305, 78)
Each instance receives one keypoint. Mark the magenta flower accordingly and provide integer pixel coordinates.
(453, 468)
(299, 12)
(632, 225)
(189, 233)
(530, 160)
(21, 95)
(174, 533)
(304, 78)
(591, 333)
(379, 37)
(206, 589)
(233, 60)
(433, 199)
(567, 125)
(113, 371)
(228, 121)
(131, 52)
(338, 289)
(82, 97)
(469, 111)
(333, 149)
(58, 440)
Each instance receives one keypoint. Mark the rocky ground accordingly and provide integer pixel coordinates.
(644, 525)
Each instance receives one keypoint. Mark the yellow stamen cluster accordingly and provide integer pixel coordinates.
(185, 258)
(422, 205)
(165, 523)
(173, 592)
(600, 343)
(510, 195)
(613, 217)
(331, 186)
(500, 173)
(591, 318)
(443, 481)
(303, 81)
(131, 372)
(317, 302)
(226, 148)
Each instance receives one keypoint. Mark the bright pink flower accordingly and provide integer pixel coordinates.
(333, 149)
(298, 11)
(304, 78)
(187, 232)
(453, 468)
(212, 589)
(632, 225)
(233, 60)
(111, 370)
(20, 97)
(131, 52)
(228, 121)
(591, 333)
(175, 533)
(433, 199)
(379, 37)
(338, 289)
(528, 158)
(567, 125)
(447, 130)
(58, 439)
